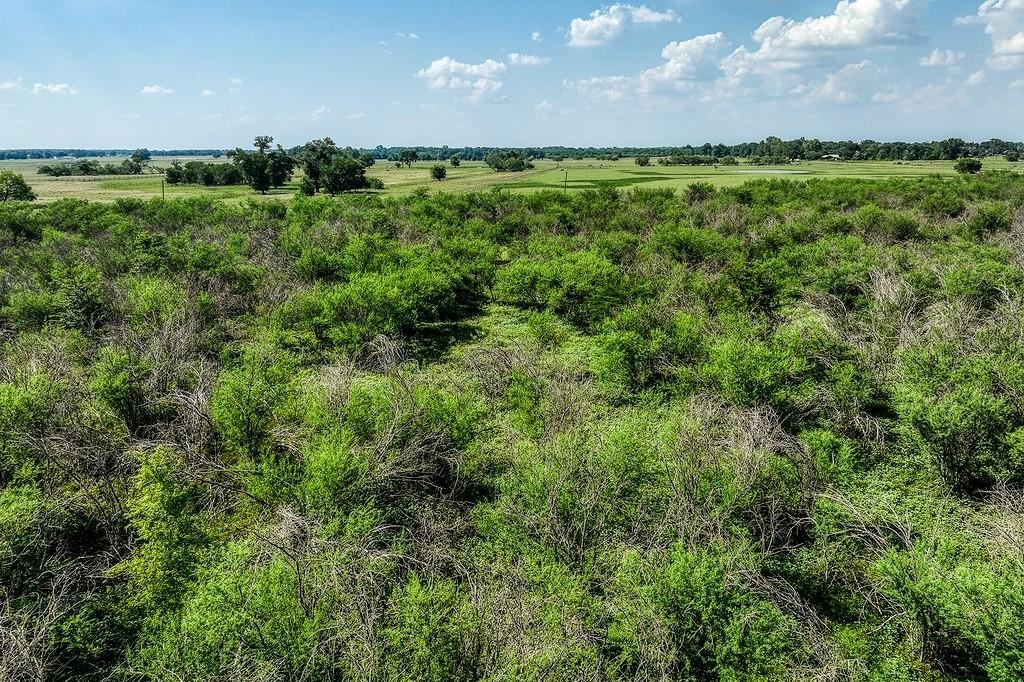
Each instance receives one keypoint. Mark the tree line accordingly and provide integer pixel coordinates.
(136, 164)
(800, 148)
(39, 154)
(949, 149)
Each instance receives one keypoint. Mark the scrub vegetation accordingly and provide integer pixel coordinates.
(773, 431)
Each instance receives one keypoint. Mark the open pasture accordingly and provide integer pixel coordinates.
(473, 176)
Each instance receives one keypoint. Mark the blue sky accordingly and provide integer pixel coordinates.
(190, 73)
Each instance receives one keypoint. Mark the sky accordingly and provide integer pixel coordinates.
(213, 74)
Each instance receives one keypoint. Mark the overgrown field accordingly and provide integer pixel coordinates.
(764, 432)
(474, 176)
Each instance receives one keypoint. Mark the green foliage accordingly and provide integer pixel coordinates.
(165, 514)
(78, 300)
(968, 166)
(963, 417)
(682, 617)
(14, 188)
(119, 381)
(759, 433)
(584, 286)
(509, 161)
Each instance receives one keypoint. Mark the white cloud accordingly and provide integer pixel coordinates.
(888, 96)
(55, 88)
(535, 36)
(1004, 24)
(156, 90)
(608, 23)
(687, 62)
(789, 44)
(1018, 84)
(15, 84)
(477, 79)
(236, 80)
(850, 84)
(207, 93)
(603, 88)
(942, 58)
(695, 59)
(355, 116)
(976, 78)
(520, 59)
(543, 106)
(410, 36)
(935, 96)
(319, 112)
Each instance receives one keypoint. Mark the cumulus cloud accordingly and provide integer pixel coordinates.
(319, 112)
(408, 36)
(15, 84)
(687, 62)
(1004, 24)
(603, 88)
(207, 93)
(977, 78)
(520, 59)
(535, 36)
(942, 58)
(607, 24)
(851, 84)
(55, 88)
(355, 116)
(156, 90)
(694, 59)
(474, 79)
(789, 44)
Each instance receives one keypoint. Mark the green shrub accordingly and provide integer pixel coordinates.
(584, 287)
(988, 218)
(78, 296)
(165, 515)
(245, 397)
(119, 380)
(964, 420)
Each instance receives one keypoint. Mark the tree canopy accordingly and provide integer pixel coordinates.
(14, 188)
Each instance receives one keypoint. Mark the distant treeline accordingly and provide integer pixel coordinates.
(91, 167)
(26, 154)
(771, 148)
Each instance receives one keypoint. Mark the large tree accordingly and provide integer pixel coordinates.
(14, 188)
(314, 157)
(280, 165)
(344, 173)
(263, 169)
(408, 156)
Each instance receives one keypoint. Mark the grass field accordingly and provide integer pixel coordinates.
(475, 176)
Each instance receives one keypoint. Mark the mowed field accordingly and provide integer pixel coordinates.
(471, 176)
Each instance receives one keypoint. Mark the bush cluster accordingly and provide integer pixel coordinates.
(771, 432)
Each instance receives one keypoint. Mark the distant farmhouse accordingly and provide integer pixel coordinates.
(831, 157)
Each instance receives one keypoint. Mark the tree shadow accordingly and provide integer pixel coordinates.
(435, 340)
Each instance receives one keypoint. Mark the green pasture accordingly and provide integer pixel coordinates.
(570, 175)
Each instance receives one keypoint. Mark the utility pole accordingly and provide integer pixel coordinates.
(565, 183)
(162, 195)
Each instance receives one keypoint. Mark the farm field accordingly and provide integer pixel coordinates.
(473, 176)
